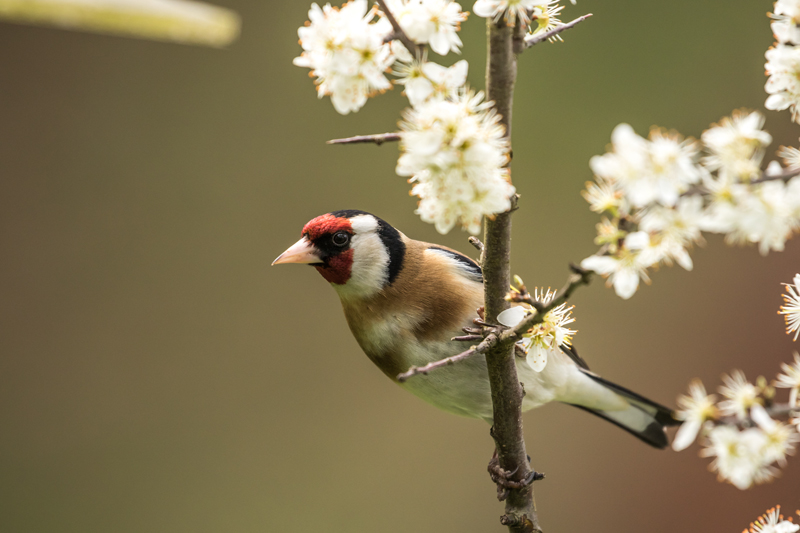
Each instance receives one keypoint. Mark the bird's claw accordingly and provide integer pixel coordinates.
(481, 322)
(501, 477)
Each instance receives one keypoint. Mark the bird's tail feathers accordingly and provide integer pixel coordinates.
(645, 419)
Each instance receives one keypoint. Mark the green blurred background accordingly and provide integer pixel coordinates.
(157, 376)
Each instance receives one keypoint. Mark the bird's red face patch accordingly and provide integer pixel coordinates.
(338, 269)
(324, 224)
(337, 262)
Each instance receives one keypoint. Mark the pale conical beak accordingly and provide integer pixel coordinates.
(302, 252)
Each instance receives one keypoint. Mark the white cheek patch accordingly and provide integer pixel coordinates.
(370, 270)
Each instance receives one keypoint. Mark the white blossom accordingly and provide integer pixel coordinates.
(767, 217)
(736, 145)
(780, 438)
(766, 214)
(695, 410)
(674, 229)
(654, 170)
(624, 269)
(790, 156)
(602, 196)
(433, 22)
(346, 52)
(785, 17)
(509, 10)
(772, 522)
(739, 457)
(454, 151)
(783, 84)
(424, 80)
(741, 394)
(547, 335)
(791, 309)
(545, 18)
(790, 379)
(722, 213)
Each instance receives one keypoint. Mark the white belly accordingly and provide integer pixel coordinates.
(463, 388)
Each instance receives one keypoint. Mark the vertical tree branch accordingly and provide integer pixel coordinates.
(504, 43)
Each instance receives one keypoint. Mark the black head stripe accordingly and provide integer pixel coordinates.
(389, 236)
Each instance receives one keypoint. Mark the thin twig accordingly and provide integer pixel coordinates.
(780, 411)
(536, 39)
(786, 175)
(487, 343)
(400, 35)
(378, 138)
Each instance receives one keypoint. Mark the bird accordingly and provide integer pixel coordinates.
(405, 301)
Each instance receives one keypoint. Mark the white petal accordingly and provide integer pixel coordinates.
(686, 434)
(626, 282)
(512, 316)
(440, 43)
(762, 418)
(537, 358)
(637, 240)
(684, 259)
(599, 264)
(484, 8)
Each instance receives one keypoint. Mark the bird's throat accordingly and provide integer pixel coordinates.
(338, 268)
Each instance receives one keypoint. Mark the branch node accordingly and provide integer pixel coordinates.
(476, 242)
(399, 34)
(519, 522)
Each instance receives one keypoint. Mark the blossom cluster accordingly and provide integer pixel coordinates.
(350, 49)
(747, 443)
(455, 152)
(773, 522)
(544, 337)
(783, 59)
(659, 194)
(345, 50)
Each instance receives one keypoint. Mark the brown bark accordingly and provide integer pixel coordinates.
(507, 393)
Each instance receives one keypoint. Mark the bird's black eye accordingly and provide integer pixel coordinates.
(341, 238)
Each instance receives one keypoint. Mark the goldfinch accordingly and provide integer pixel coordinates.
(405, 300)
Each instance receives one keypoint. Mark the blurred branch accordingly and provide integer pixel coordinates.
(779, 411)
(378, 139)
(182, 21)
(786, 175)
(538, 38)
